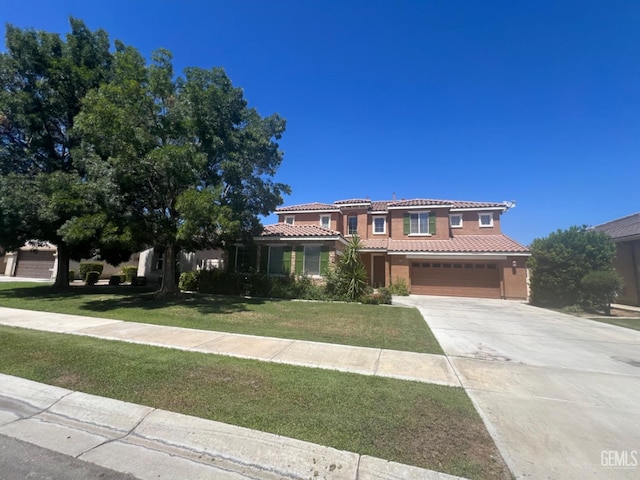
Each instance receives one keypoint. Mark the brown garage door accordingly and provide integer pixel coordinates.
(36, 264)
(457, 279)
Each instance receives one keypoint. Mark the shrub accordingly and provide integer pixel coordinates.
(72, 275)
(381, 296)
(115, 280)
(92, 278)
(139, 281)
(385, 295)
(86, 267)
(600, 289)
(129, 271)
(189, 281)
(399, 288)
(560, 261)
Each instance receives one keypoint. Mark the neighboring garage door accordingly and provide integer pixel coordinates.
(459, 279)
(37, 264)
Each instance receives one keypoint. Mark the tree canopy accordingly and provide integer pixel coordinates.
(100, 149)
(43, 79)
(190, 162)
(560, 261)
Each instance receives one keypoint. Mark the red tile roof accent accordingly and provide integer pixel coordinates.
(286, 230)
(308, 206)
(375, 243)
(621, 227)
(460, 244)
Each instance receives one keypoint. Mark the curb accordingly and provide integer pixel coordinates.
(154, 444)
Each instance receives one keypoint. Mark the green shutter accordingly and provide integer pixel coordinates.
(299, 259)
(252, 256)
(407, 224)
(324, 259)
(232, 259)
(432, 223)
(264, 259)
(286, 260)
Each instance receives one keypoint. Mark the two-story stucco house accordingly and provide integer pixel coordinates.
(437, 247)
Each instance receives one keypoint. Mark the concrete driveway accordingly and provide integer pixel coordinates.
(559, 394)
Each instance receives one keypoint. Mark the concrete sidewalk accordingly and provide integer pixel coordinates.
(419, 367)
(155, 444)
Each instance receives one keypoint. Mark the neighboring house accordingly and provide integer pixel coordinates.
(150, 263)
(31, 261)
(41, 262)
(625, 233)
(436, 247)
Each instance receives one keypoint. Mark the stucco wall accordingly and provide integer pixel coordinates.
(627, 264)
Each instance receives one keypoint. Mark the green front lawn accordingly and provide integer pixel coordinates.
(633, 323)
(376, 326)
(431, 426)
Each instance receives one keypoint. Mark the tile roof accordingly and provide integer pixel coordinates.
(375, 243)
(308, 206)
(417, 202)
(460, 244)
(286, 230)
(383, 205)
(353, 200)
(621, 227)
(465, 204)
(380, 205)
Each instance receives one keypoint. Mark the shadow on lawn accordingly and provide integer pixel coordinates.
(122, 297)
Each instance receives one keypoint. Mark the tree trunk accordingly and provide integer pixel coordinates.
(169, 285)
(62, 272)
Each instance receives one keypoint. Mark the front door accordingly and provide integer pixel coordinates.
(378, 271)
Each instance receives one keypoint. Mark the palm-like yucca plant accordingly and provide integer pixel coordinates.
(352, 269)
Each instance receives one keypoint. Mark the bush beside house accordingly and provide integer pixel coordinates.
(573, 267)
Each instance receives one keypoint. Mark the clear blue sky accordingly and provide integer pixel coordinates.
(537, 102)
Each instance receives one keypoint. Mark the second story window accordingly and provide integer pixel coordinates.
(325, 221)
(352, 225)
(485, 219)
(289, 220)
(379, 225)
(419, 223)
(455, 221)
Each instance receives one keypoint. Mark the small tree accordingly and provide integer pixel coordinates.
(350, 277)
(600, 289)
(559, 262)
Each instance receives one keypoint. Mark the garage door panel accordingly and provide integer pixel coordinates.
(38, 264)
(465, 281)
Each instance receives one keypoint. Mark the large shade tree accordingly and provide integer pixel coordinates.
(190, 164)
(43, 80)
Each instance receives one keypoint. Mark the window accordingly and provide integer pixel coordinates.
(486, 219)
(352, 225)
(312, 260)
(325, 221)
(289, 220)
(419, 223)
(276, 257)
(455, 221)
(379, 225)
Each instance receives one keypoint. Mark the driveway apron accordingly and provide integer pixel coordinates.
(559, 394)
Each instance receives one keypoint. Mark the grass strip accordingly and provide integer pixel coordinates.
(375, 326)
(632, 323)
(431, 426)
